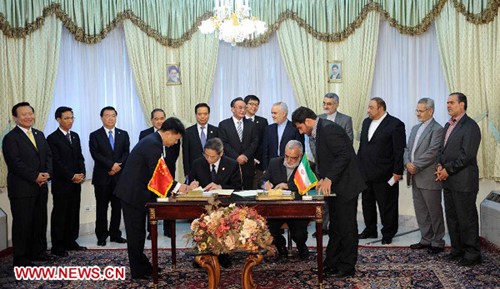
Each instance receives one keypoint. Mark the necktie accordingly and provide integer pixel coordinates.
(213, 173)
(203, 137)
(111, 140)
(312, 146)
(68, 136)
(32, 138)
(239, 129)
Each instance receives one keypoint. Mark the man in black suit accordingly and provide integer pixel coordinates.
(240, 141)
(280, 175)
(457, 169)
(158, 116)
(278, 134)
(381, 149)
(196, 137)
(252, 106)
(109, 147)
(29, 163)
(133, 191)
(341, 181)
(214, 171)
(69, 174)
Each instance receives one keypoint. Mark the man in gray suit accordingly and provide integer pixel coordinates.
(330, 106)
(457, 169)
(419, 159)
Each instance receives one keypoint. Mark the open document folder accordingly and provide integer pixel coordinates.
(221, 192)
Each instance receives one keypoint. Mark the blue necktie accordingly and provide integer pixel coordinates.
(213, 173)
(203, 137)
(111, 140)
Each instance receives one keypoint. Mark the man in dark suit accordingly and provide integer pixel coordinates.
(29, 163)
(252, 106)
(214, 171)
(381, 150)
(457, 169)
(196, 137)
(420, 159)
(278, 134)
(69, 174)
(109, 147)
(341, 181)
(280, 175)
(240, 141)
(158, 116)
(133, 191)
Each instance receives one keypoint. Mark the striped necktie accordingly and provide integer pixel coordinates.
(239, 129)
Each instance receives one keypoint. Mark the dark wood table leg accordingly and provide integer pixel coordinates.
(173, 245)
(211, 264)
(251, 261)
(154, 244)
(319, 243)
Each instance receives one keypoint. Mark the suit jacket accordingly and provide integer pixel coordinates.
(141, 163)
(104, 156)
(25, 162)
(228, 174)
(171, 152)
(67, 160)
(337, 160)
(270, 141)
(383, 154)
(261, 125)
(233, 147)
(425, 155)
(344, 121)
(276, 174)
(191, 145)
(459, 156)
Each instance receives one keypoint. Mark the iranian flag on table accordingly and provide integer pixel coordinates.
(162, 180)
(304, 177)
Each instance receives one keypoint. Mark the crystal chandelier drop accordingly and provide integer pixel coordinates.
(234, 22)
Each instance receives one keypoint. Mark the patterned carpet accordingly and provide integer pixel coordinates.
(378, 267)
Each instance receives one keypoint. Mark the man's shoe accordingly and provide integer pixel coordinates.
(344, 274)
(149, 236)
(330, 270)
(435, 250)
(325, 233)
(453, 256)
(282, 251)
(43, 257)
(366, 235)
(60, 253)
(119, 240)
(101, 243)
(386, 241)
(469, 262)
(167, 234)
(418, 246)
(76, 248)
(303, 252)
(225, 261)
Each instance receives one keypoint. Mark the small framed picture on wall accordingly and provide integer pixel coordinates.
(334, 71)
(174, 74)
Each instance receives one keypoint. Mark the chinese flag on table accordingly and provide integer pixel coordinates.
(304, 177)
(162, 180)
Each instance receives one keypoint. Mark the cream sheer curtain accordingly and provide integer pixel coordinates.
(470, 57)
(306, 59)
(29, 68)
(149, 61)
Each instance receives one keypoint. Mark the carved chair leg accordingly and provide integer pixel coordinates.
(251, 261)
(211, 264)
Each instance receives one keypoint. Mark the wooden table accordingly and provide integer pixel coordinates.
(174, 210)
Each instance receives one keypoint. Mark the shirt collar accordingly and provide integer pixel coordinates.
(457, 119)
(63, 131)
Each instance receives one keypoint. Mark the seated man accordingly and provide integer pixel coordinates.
(279, 175)
(214, 170)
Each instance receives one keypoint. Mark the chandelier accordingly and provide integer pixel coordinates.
(234, 22)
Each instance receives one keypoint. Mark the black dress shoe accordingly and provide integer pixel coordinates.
(60, 253)
(469, 262)
(225, 260)
(149, 236)
(386, 241)
(418, 246)
(330, 270)
(166, 234)
(282, 251)
(366, 235)
(119, 240)
(325, 233)
(303, 252)
(101, 243)
(43, 257)
(76, 248)
(453, 256)
(344, 274)
(141, 277)
(435, 250)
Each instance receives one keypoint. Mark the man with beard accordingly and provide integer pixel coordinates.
(279, 175)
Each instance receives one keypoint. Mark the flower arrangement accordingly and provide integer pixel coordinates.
(229, 229)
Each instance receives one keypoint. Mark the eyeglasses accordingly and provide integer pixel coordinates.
(210, 157)
(421, 110)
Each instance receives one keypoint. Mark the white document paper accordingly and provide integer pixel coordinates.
(222, 192)
(391, 182)
(248, 193)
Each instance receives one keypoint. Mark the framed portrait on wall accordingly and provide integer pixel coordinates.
(174, 74)
(334, 71)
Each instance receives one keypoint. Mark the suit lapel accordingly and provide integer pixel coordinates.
(424, 134)
(26, 139)
(380, 127)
